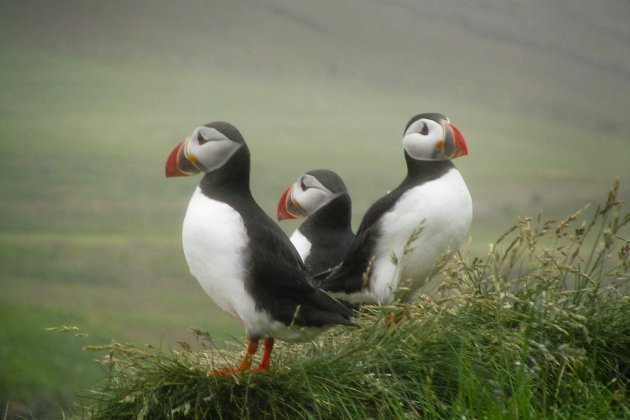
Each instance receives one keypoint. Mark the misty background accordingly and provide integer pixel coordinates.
(94, 95)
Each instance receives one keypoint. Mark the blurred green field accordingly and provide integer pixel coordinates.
(94, 97)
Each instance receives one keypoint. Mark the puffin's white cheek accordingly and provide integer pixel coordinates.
(417, 146)
(215, 154)
(311, 199)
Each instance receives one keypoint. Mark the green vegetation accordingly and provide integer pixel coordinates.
(41, 368)
(537, 329)
(94, 96)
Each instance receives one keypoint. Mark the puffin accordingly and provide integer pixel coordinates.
(239, 255)
(421, 222)
(325, 237)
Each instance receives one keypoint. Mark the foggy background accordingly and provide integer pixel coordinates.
(94, 95)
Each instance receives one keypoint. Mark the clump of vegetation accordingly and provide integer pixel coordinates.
(538, 328)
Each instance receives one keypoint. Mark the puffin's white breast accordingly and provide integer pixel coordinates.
(301, 244)
(215, 244)
(215, 241)
(442, 209)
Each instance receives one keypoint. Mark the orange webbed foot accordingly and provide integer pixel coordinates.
(252, 346)
(247, 360)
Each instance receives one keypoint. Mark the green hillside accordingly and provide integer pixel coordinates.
(96, 94)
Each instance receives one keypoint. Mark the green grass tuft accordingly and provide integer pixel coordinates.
(537, 328)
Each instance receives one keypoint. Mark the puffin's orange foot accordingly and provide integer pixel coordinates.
(252, 346)
(245, 364)
(394, 320)
(266, 357)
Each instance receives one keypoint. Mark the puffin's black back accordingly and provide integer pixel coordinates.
(330, 233)
(277, 280)
(348, 278)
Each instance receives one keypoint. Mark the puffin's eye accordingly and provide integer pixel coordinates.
(303, 185)
(425, 129)
(201, 139)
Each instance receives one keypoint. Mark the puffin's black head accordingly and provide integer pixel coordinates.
(309, 193)
(431, 136)
(207, 148)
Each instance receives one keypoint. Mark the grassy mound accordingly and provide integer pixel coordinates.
(538, 328)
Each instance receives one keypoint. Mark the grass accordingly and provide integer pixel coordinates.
(539, 328)
(94, 98)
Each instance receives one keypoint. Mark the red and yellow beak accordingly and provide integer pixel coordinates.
(178, 164)
(288, 207)
(454, 143)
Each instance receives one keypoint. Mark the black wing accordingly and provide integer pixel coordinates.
(329, 230)
(349, 276)
(279, 282)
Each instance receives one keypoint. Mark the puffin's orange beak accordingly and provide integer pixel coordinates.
(283, 205)
(455, 142)
(178, 164)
